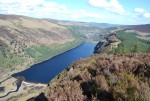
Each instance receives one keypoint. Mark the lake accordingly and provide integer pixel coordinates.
(45, 71)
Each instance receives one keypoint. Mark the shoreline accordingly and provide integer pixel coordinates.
(48, 59)
(16, 89)
(29, 86)
(32, 83)
(18, 71)
(59, 54)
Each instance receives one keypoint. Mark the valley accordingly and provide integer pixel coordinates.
(31, 46)
(25, 41)
(68, 50)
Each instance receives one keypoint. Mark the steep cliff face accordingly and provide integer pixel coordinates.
(103, 78)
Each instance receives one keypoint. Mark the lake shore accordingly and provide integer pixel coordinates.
(9, 75)
(25, 89)
(52, 67)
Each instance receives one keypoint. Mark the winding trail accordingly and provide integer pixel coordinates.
(18, 83)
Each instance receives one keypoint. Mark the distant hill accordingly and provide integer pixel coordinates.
(87, 30)
(141, 28)
(143, 31)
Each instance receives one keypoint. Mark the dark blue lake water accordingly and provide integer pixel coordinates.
(45, 71)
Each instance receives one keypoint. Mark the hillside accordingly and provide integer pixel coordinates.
(124, 39)
(143, 31)
(86, 30)
(102, 78)
(141, 28)
(26, 40)
(130, 42)
(106, 77)
(32, 31)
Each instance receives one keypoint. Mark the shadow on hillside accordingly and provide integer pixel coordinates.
(40, 97)
(90, 90)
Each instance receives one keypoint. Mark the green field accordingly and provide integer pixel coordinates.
(130, 43)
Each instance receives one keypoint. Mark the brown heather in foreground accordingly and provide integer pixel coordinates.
(103, 78)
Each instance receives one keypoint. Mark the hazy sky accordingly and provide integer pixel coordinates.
(102, 11)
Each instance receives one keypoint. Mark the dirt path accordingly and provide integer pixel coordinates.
(24, 90)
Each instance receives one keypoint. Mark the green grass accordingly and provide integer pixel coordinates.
(130, 43)
(9, 60)
(76, 32)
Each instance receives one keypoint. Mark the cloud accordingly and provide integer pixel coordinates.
(147, 15)
(112, 5)
(54, 10)
(30, 6)
(44, 9)
(139, 10)
(141, 13)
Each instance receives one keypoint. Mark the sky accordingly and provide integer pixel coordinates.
(126, 12)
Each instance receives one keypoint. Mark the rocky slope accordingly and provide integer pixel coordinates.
(102, 77)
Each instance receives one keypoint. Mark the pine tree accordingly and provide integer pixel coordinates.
(136, 48)
(148, 49)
